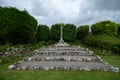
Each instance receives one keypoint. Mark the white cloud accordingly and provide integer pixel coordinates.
(78, 12)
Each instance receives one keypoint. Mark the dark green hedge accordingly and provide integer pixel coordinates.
(69, 32)
(105, 27)
(119, 30)
(16, 26)
(55, 32)
(103, 42)
(82, 31)
(116, 48)
(42, 33)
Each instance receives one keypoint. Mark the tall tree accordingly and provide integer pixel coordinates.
(55, 32)
(105, 27)
(42, 33)
(82, 31)
(16, 26)
(69, 32)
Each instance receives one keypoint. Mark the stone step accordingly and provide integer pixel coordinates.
(61, 53)
(63, 58)
(63, 49)
(63, 65)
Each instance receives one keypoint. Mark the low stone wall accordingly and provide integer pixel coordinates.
(13, 53)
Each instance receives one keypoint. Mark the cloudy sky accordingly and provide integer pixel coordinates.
(78, 12)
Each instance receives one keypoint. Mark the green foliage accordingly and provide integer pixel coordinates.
(16, 26)
(55, 32)
(116, 48)
(3, 47)
(82, 31)
(118, 30)
(42, 33)
(103, 42)
(105, 27)
(38, 45)
(69, 32)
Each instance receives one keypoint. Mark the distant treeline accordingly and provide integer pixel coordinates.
(19, 27)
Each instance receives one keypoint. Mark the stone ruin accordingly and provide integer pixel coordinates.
(62, 56)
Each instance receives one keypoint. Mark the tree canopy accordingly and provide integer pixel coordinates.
(69, 32)
(82, 31)
(55, 32)
(105, 27)
(42, 33)
(16, 26)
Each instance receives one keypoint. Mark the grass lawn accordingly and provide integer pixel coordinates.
(58, 75)
(62, 75)
(112, 59)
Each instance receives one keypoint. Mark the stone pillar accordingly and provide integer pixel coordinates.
(90, 29)
(61, 35)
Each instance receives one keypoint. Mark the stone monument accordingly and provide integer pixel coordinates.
(62, 56)
(61, 35)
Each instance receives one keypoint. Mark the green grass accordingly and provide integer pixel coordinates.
(58, 75)
(114, 60)
(3, 47)
(61, 75)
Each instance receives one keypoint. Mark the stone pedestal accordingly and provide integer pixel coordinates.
(61, 41)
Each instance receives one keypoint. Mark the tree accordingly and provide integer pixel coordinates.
(69, 32)
(118, 30)
(82, 31)
(42, 33)
(55, 32)
(105, 27)
(16, 26)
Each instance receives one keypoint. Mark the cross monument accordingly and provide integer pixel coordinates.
(61, 35)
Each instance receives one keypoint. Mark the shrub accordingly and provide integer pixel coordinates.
(105, 27)
(69, 32)
(16, 26)
(116, 48)
(55, 32)
(42, 33)
(101, 41)
(82, 31)
(118, 30)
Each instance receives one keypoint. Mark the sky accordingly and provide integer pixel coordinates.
(77, 12)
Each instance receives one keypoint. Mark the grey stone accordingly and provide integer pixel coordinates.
(1, 53)
(62, 56)
(7, 53)
(87, 69)
(23, 67)
(10, 67)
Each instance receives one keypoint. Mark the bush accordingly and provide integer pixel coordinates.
(38, 45)
(118, 30)
(16, 26)
(101, 41)
(105, 27)
(55, 32)
(116, 48)
(42, 33)
(82, 31)
(69, 32)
